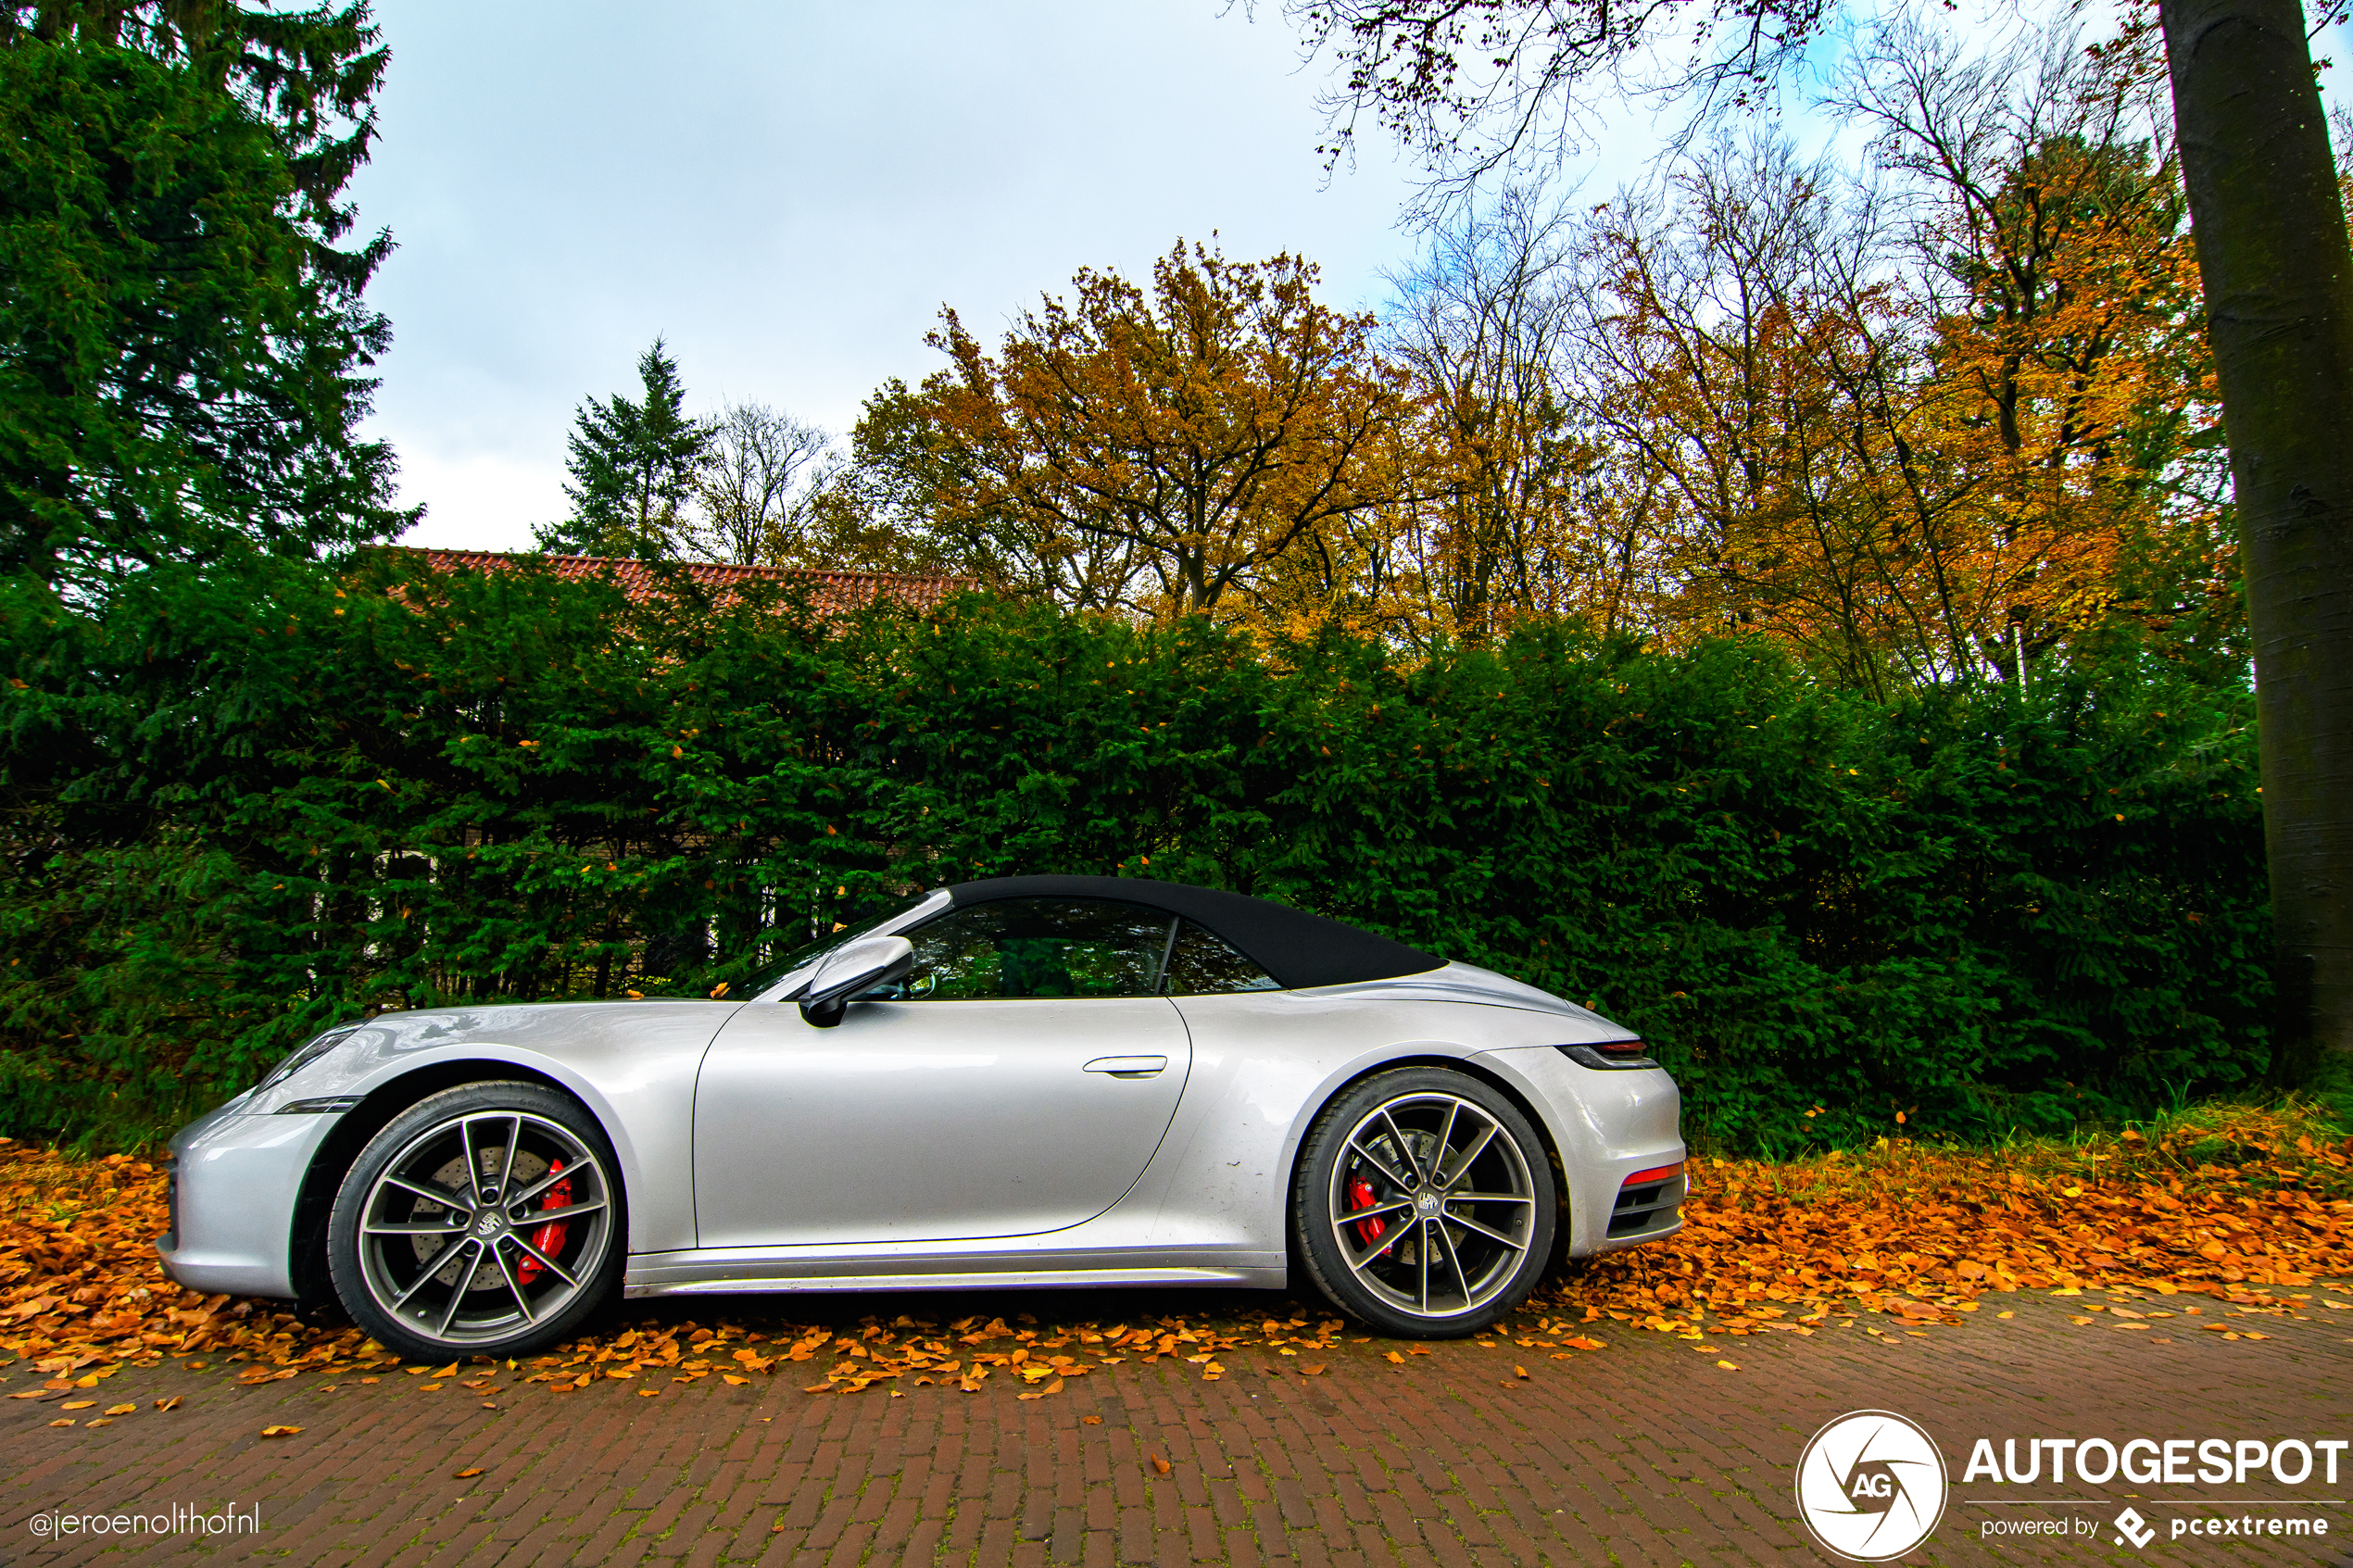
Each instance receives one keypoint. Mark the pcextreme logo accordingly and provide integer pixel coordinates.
(1870, 1485)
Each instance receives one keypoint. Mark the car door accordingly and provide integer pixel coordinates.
(1017, 1082)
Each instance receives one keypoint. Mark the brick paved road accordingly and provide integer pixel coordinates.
(1645, 1453)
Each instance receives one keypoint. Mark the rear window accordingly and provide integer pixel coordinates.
(1201, 964)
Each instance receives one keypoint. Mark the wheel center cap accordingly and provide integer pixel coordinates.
(490, 1223)
(1425, 1203)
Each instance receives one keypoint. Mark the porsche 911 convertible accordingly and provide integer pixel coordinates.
(1023, 1082)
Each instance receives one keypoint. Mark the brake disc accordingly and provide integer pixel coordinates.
(451, 1175)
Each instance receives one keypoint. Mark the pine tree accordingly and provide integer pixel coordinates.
(633, 466)
(183, 348)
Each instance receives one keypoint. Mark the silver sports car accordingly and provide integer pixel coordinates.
(1031, 1080)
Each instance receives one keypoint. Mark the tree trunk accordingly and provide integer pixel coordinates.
(2278, 278)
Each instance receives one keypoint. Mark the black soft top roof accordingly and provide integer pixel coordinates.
(1299, 949)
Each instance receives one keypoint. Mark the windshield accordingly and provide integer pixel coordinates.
(861, 921)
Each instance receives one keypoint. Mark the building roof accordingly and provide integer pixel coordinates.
(1299, 949)
(830, 592)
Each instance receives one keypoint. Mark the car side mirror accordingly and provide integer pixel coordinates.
(859, 966)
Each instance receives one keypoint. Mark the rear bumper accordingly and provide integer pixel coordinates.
(234, 1182)
(1607, 1126)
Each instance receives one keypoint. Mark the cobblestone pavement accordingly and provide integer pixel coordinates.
(1646, 1452)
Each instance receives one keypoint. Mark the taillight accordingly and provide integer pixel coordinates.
(1655, 1173)
(1607, 1055)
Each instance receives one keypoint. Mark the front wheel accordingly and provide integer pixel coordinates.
(1424, 1204)
(483, 1221)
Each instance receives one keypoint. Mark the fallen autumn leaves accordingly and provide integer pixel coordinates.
(82, 1295)
(2226, 1201)
(2233, 1203)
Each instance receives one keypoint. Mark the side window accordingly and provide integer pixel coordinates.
(1037, 948)
(1202, 965)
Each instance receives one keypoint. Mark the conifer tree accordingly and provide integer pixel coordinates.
(632, 464)
(182, 342)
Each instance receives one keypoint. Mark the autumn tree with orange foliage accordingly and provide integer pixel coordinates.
(2049, 237)
(1203, 448)
(1917, 422)
(1921, 421)
(1739, 339)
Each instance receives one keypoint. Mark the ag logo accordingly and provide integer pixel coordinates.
(1870, 1485)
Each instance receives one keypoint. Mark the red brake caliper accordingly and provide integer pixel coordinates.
(1359, 1192)
(549, 1239)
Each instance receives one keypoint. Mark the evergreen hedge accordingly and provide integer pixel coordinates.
(250, 800)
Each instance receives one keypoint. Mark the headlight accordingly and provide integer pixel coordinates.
(304, 1055)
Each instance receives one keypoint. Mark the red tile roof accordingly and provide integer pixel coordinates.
(830, 592)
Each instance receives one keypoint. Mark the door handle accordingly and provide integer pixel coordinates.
(1128, 1066)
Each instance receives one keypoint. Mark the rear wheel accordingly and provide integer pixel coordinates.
(483, 1221)
(1424, 1204)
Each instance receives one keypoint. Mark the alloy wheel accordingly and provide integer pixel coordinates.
(1432, 1203)
(483, 1226)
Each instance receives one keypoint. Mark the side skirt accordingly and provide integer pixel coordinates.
(733, 1273)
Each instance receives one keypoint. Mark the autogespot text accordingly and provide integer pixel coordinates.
(2145, 1461)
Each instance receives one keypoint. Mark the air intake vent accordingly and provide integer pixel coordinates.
(1649, 1200)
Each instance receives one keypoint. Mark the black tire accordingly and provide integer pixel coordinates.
(1412, 1241)
(504, 1263)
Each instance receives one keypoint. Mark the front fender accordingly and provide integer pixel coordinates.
(631, 1064)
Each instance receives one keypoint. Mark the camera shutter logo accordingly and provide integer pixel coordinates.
(1870, 1485)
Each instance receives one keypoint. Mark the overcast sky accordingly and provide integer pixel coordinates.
(789, 189)
(789, 193)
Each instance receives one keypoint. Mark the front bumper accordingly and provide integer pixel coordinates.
(237, 1180)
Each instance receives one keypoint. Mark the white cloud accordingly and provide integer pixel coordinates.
(485, 500)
